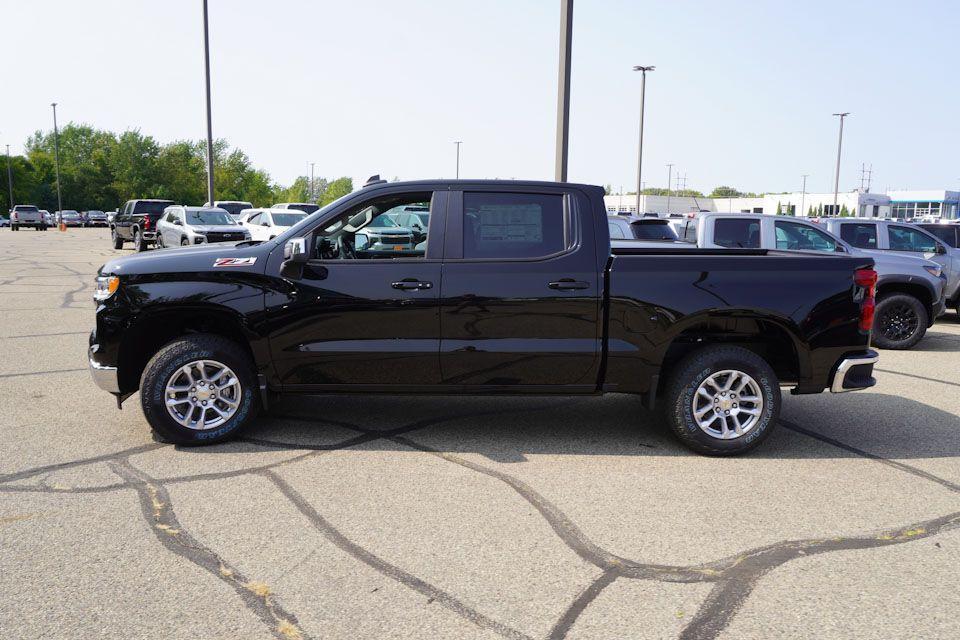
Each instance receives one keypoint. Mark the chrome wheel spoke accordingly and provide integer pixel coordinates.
(199, 386)
(727, 404)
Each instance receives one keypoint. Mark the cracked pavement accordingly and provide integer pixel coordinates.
(410, 517)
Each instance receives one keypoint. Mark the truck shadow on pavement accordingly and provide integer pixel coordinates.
(509, 429)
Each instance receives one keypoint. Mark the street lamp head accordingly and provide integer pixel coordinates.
(842, 115)
(642, 68)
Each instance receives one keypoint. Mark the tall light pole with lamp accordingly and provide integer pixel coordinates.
(643, 94)
(669, 180)
(458, 143)
(56, 158)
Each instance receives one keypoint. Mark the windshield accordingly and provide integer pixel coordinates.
(287, 219)
(306, 208)
(209, 216)
(25, 207)
(653, 231)
(234, 208)
(69, 214)
(156, 207)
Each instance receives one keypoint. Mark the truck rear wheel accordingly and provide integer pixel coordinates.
(199, 390)
(900, 322)
(722, 401)
(139, 244)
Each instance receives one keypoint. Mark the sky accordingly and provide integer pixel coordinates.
(742, 94)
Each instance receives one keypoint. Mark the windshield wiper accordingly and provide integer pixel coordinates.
(248, 243)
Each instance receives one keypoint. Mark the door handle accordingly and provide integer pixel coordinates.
(568, 284)
(411, 284)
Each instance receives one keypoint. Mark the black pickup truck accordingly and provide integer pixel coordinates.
(137, 223)
(515, 290)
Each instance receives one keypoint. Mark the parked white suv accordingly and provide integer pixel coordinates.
(233, 207)
(306, 207)
(185, 226)
(267, 224)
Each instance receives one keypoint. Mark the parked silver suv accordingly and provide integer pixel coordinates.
(185, 226)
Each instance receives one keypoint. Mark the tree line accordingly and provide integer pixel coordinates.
(718, 192)
(100, 170)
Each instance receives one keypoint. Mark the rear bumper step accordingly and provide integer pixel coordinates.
(855, 372)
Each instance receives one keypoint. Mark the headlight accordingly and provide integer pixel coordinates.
(935, 271)
(106, 287)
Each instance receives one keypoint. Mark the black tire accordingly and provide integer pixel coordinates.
(686, 378)
(115, 237)
(179, 353)
(184, 242)
(15, 227)
(139, 244)
(900, 321)
(160, 244)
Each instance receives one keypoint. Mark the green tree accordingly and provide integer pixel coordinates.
(725, 192)
(779, 209)
(337, 189)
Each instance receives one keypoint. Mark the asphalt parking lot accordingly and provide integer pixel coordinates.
(393, 517)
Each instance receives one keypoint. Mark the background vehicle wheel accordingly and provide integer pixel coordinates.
(184, 242)
(160, 244)
(199, 390)
(116, 239)
(138, 243)
(900, 321)
(722, 401)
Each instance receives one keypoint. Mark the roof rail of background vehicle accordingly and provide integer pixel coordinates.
(375, 183)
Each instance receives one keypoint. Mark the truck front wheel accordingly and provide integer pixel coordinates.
(722, 400)
(115, 237)
(198, 390)
(900, 322)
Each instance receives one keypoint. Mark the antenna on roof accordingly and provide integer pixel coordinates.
(374, 179)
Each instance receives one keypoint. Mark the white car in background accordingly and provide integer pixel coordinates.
(266, 224)
(233, 207)
(306, 207)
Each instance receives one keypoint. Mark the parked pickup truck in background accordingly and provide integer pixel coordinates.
(26, 215)
(910, 289)
(901, 238)
(137, 223)
(533, 300)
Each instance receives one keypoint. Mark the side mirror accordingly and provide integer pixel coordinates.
(941, 249)
(296, 251)
(178, 222)
(360, 242)
(265, 224)
(840, 249)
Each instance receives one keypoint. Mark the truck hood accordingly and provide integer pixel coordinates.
(887, 262)
(193, 259)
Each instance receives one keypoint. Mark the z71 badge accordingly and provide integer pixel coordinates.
(234, 262)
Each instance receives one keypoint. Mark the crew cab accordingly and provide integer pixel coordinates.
(532, 300)
(910, 289)
(137, 223)
(26, 215)
(901, 238)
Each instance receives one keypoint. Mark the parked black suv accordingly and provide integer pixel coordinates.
(137, 223)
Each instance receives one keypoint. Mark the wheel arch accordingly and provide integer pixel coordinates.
(912, 287)
(145, 337)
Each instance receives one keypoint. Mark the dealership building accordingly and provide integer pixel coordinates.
(892, 204)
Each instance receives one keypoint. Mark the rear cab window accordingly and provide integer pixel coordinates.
(513, 225)
(908, 239)
(860, 235)
(737, 234)
(797, 236)
(653, 230)
(154, 208)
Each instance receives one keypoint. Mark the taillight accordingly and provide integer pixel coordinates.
(146, 222)
(866, 278)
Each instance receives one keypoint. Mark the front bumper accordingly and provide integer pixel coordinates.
(854, 372)
(104, 376)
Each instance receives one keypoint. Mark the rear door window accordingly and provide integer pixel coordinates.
(908, 239)
(799, 237)
(513, 225)
(863, 236)
(737, 234)
(947, 233)
(615, 232)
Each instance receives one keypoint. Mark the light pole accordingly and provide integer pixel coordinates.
(803, 194)
(206, 67)
(9, 178)
(458, 143)
(313, 197)
(56, 154)
(563, 90)
(836, 177)
(669, 180)
(643, 94)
